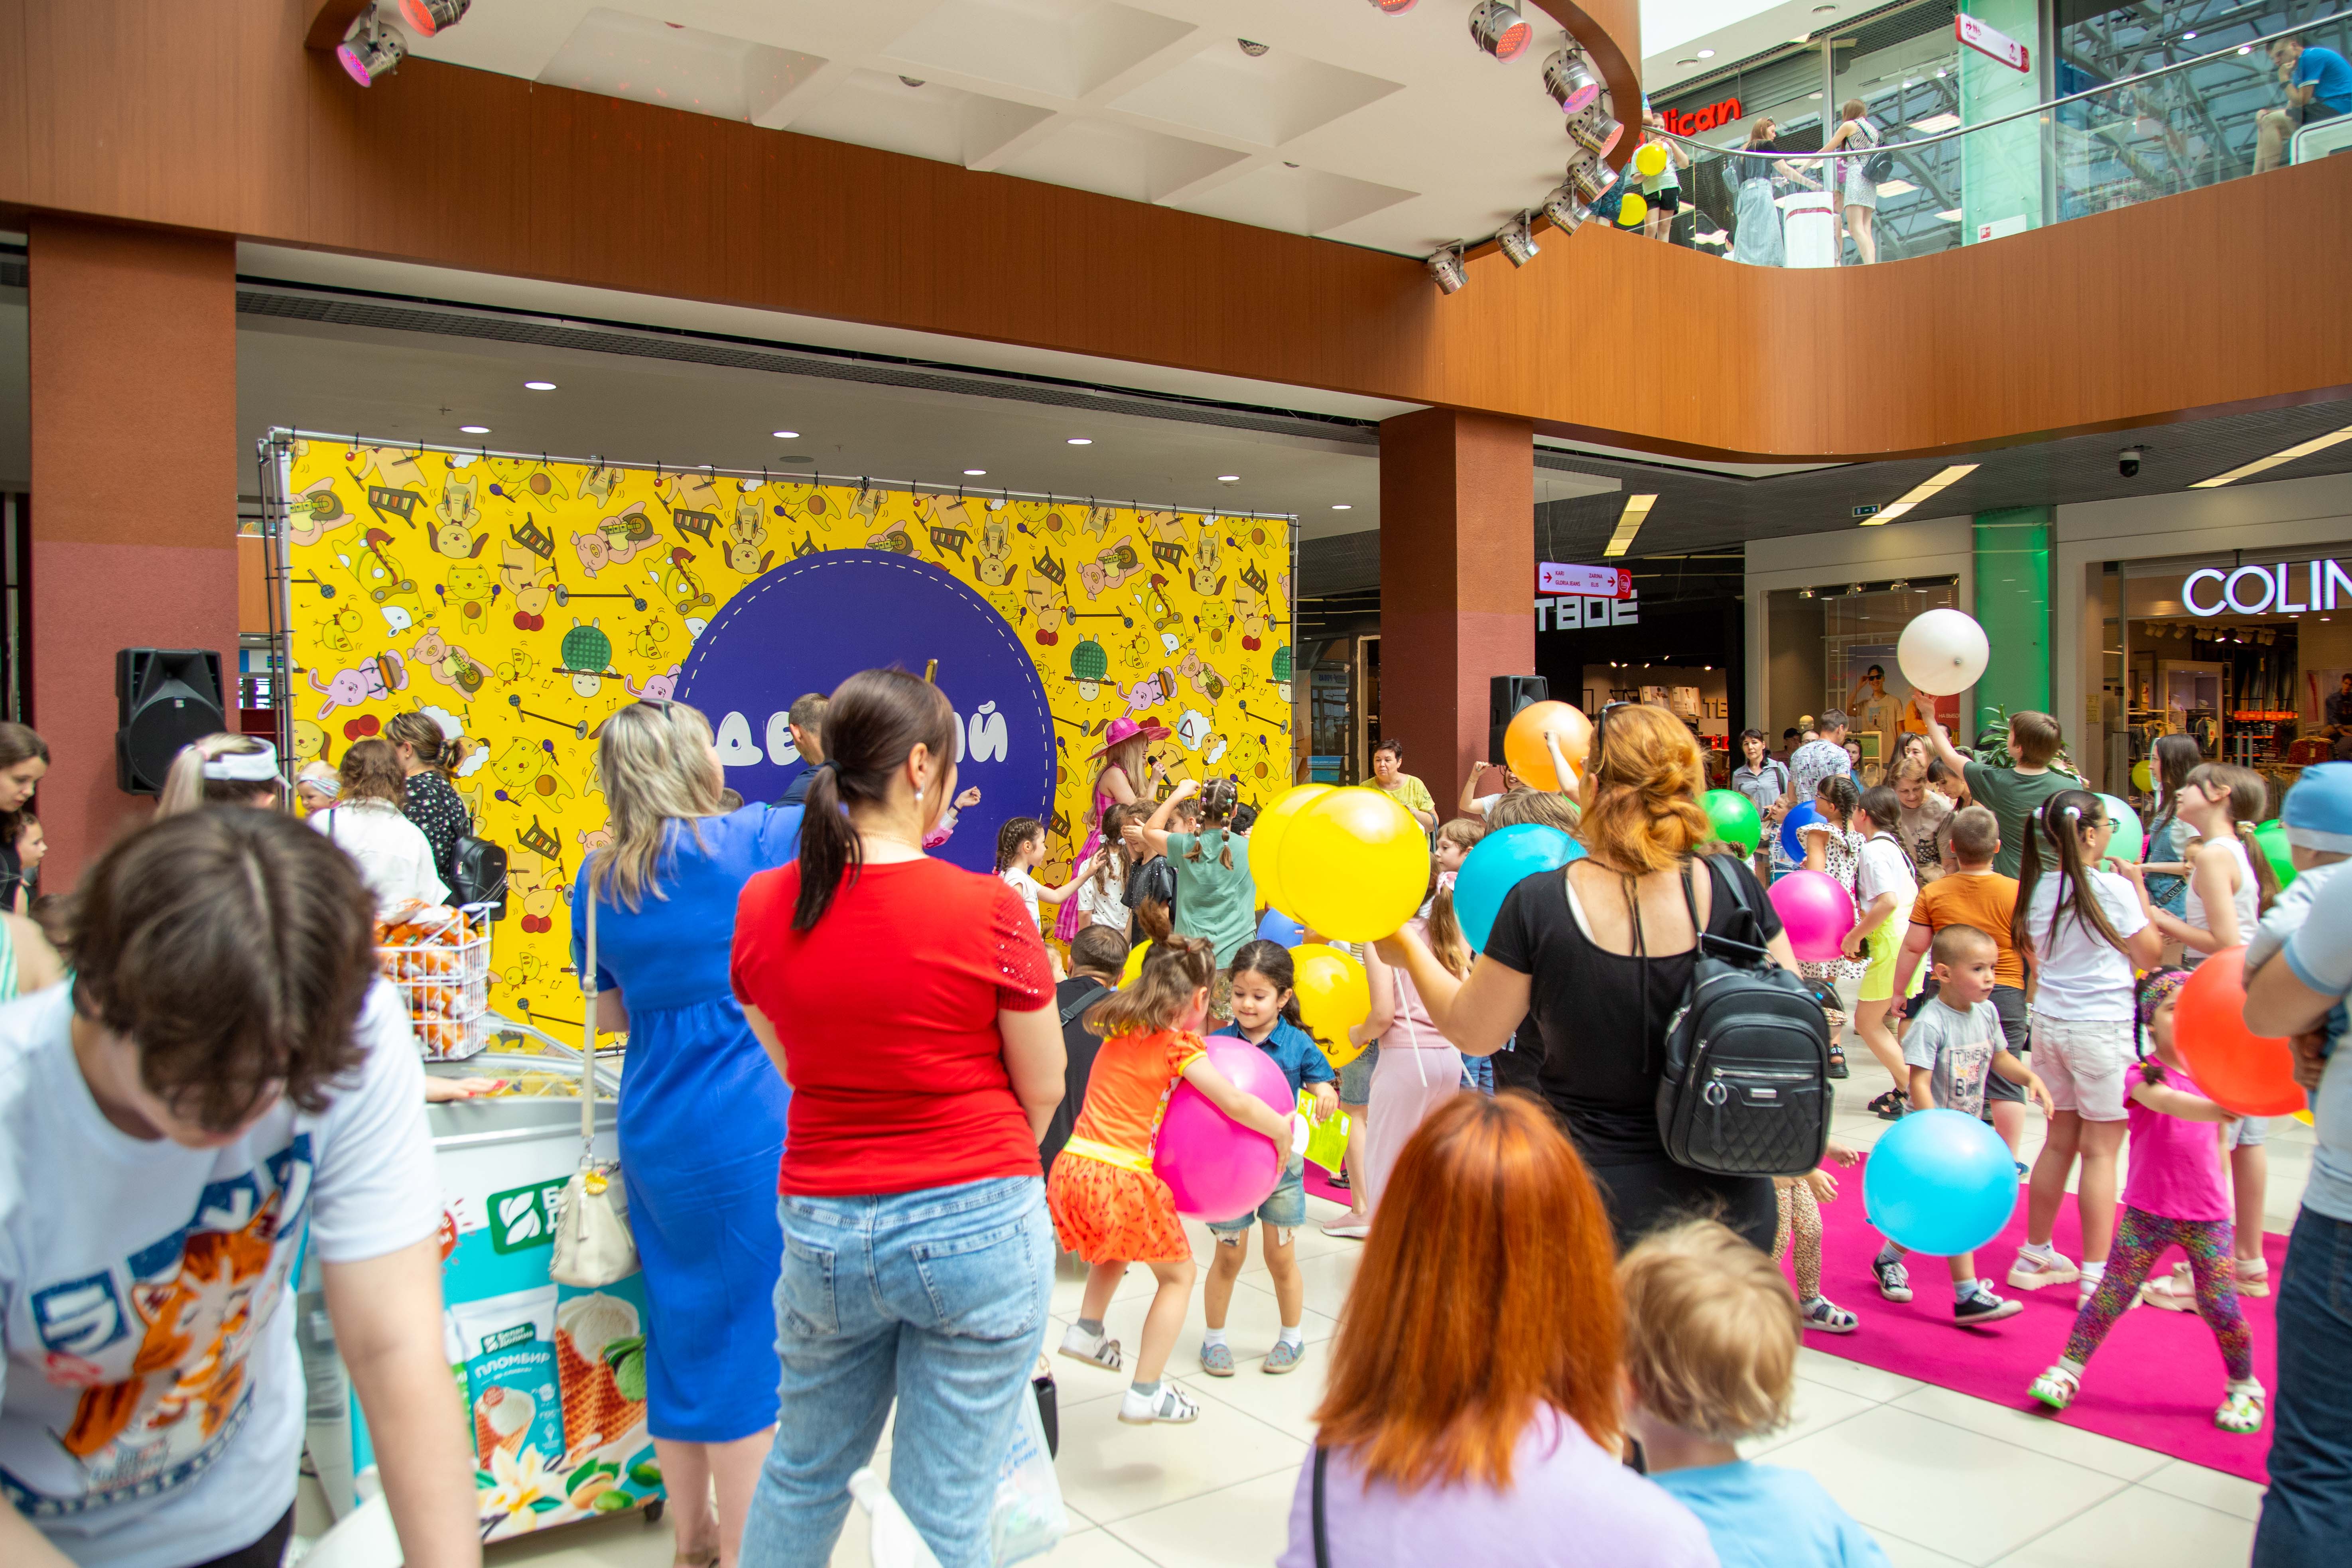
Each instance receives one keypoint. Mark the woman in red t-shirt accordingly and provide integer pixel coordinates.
(909, 1003)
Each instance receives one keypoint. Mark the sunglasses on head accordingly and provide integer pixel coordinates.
(1601, 733)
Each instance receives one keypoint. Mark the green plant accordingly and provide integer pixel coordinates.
(1992, 745)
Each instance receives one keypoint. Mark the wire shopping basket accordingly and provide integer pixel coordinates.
(438, 959)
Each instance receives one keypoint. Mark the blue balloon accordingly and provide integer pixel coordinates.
(1803, 815)
(1503, 859)
(1939, 1182)
(1280, 930)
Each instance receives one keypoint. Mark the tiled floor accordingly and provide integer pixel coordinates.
(1939, 1477)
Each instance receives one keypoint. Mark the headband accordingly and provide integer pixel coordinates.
(259, 766)
(2161, 987)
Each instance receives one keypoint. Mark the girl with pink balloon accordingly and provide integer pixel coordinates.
(1834, 849)
(1110, 1206)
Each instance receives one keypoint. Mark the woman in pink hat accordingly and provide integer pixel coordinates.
(1123, 778)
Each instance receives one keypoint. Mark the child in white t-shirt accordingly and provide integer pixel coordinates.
(1885, 884)
(1020, 845)
(226, 1077)
(1952, 1044)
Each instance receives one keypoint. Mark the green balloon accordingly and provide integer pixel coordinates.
(1734, 818)
(2272, 836)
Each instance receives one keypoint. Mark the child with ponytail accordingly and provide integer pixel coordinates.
(1418, 1068)
(1833, 848)
(1107, 1206)
(1265, 1014)
(1020, 845)
(1887, 883)
(2231, 882)
(2082, 930)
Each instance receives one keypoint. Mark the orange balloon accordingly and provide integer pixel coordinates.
(2251, 1074)
(1523, 744)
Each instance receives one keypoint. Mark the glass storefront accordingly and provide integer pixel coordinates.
(1833, 647)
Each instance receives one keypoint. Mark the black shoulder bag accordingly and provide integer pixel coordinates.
(1745, 1091)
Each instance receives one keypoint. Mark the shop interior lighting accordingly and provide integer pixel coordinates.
(975, 473)
(1517, 241)
(1936, 122)
(1229, 478)
(474, 429)
(538, 386)
(1571, 82)
(1081, 441)
(1920, 493)
(2300, 449)
(785, 434)
(369, 50)
(1341, 506)
(429, 16)
(1499, 29)
(1446, 270)
(1628, 523)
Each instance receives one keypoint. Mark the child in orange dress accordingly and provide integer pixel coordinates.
(1107, 1206)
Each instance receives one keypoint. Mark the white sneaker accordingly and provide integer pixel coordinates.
(2031, 1273)
(1349, 1226)
(1100, 1349)
(1170, 1404)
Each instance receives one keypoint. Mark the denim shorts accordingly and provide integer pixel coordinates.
(1285, 1209)
(1356, 1076)
(2084, 1063)
(2250, 1132)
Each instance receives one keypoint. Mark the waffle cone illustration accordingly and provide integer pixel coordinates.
(502, 1419)
(595, 1410)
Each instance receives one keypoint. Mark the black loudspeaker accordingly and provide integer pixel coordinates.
(164, 697)
(1506, 694)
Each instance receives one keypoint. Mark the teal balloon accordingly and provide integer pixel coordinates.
(2271, 837)
(1736, 818)
(1503, 859)
(2129, 841)
(1940, 1183)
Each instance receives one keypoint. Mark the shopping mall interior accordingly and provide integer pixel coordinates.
(1278, 374)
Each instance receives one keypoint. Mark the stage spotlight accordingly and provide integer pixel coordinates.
(369, 50)
(1564, 209)
(1593, 179)
(1499, 30)
(1518, 242)
(429, 16)
(1595, 132)
(1445, 268)
(1570, 82)
(1395, 8)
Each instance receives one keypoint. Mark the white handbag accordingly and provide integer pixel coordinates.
(592, 1244)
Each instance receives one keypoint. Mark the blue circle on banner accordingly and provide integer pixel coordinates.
(812, 622)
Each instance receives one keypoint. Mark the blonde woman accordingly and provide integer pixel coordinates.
(1597, 956)
(222, 769)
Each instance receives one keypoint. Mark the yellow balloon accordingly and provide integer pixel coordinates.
(1334, 996)
(1355, 865)
(1265, 840)
(1651, 160)
(1134, 963)
(2139, 775)
(2304, 1116)
(1633, 209)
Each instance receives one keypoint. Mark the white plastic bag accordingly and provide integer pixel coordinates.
(896, 1542)
(1028, 1520)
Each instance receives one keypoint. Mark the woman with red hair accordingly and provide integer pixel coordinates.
(1476, 1395)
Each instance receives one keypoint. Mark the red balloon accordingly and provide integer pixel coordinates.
(2248, 1073)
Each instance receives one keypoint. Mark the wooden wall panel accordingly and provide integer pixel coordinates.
(216, 118)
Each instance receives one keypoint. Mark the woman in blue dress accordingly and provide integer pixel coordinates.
(702, 1109)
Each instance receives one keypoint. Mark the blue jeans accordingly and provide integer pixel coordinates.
(2307, 1512)
(1479, 1073)
(936, 1297)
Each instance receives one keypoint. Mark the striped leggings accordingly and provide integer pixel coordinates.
(2140, 1239)
(1800, 1227)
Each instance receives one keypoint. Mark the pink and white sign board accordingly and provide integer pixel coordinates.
(1593, 582)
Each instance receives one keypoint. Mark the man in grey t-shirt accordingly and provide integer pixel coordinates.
(1808, 766)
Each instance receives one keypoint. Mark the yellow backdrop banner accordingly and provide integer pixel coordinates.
(518, 602)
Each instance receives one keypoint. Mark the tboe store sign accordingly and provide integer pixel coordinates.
(1580, 613)
(2283, 589)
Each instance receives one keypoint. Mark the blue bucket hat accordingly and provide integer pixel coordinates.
(2319, 811)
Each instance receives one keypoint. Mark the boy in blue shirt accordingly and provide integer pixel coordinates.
(1265, 1014)
(1711, 1332)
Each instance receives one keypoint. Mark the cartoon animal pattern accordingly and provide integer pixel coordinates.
(451, 582)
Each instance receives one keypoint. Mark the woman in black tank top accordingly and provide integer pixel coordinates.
(1599, 956)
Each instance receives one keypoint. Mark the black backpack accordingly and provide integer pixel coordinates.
(481, 875)
(1746, 1088)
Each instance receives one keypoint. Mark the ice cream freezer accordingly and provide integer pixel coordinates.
(552, 1377)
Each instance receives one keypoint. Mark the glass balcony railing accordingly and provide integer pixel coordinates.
(1931, 185)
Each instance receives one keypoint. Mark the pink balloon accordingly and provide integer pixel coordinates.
(1817, 910)
(1217, 1168)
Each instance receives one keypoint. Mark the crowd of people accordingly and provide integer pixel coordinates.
(860, 1134)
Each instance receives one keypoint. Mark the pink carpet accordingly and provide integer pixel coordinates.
(2155, 1381)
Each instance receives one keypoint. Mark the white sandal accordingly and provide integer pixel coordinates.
(2241, 1412)
(1097, 1350)
(2057, 1388)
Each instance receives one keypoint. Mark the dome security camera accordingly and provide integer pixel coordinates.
(2127, 461)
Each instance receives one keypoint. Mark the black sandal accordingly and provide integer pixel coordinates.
(1891, 1105)
(1837, 1061)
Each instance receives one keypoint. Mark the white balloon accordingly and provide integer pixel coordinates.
(1942, 652)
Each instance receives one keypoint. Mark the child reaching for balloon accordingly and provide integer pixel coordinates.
(1799, 1238)
(1020, 845)
(2173, 1196)
(1265, 1014)
(1109, 1207)
(1951, 1050)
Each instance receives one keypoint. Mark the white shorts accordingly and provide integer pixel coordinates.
(2085, 1064)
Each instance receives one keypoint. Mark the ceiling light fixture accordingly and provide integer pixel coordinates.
(1499, 29)
(1920, 493)
(1341, 506)
(1896, 188)
(538, 386)
(1446, 270)
(785, 434)
(2187, 35)
(1082, 441)
(369, 50)
(474, 429)
(912, 81)
(1593, 179)
(1595, 132)
(1628, 523)
(1679, 64)
(2300, 449)
(1565, 210)
(1571, 82)
(1395, 8)
(1517, 241)
(975, 473)
(1229, 478)
(1251, 47)
(1937, 123)
(429, 16)
(1950, 215)
(1706, 54)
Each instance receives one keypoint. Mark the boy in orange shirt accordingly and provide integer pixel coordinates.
(1977, 895)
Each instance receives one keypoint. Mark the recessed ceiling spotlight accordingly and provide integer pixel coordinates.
(785, 434)
(1082, 440)
(1706, 54)
(1446, 270)
(369, 50)
(2190, 34)
(1499, 29)
(1823, 10)
(1571, 82)
(975, 473)
(1229, 478)
(429, 16)
(911, 80)
(1341, 506)
(1251, 47)
(474, 429)
(538, 386)
(1680, 63)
